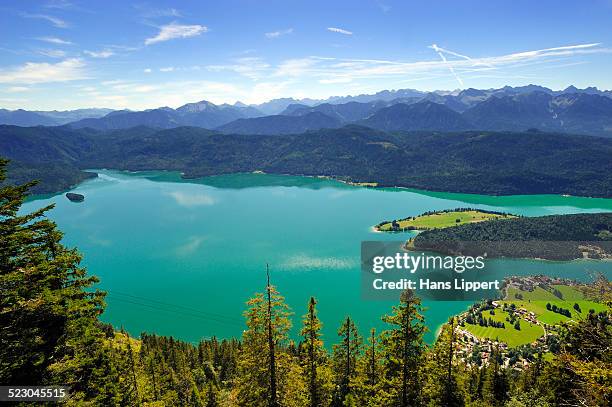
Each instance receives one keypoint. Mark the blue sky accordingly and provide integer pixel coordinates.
(66, 54)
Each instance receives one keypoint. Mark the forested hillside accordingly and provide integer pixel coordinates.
(555, 237)
(51, 335)
(471, 162)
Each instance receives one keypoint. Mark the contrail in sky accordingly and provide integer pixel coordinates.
(440, 52)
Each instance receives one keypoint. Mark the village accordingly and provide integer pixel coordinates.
(519, 327)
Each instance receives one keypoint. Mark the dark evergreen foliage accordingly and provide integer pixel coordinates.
(555, 237)
(471, 162)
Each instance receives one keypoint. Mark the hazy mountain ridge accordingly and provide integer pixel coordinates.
(569, 112)
(201, 114)
(466, 97)
(514, 110)
(28, 118)
(572, 110)
(281, 124)
(423, 115)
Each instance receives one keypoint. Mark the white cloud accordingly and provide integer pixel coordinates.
(296, 67)
(276, 34)
(264, 91)
(336, 70)
(147, 12)
(174, 30)
(13, 102)
(90, 89)
(58, 4)
(18, 89)
(339, 30)
(57, 22)
(384, 7)
(112, 101)
(54, 40)
(144, 88)
(140, 95)
(335, 80)
(167, 69)
(104, 53)
(251, 67)
(53, 53)
(311, 76)
(35, 72)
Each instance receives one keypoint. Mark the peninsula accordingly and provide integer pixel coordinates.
(440, 219)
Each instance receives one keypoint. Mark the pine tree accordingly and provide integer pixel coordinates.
(311, 332)
(153, 379)
(441, 384)
(48, 312)
(402, 350)
(211, 396)
(495, 386)
(262, 317)
(366, 383)
(372, 360)
(132, 363)
(345, 356)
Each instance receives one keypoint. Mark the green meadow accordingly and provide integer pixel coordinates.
(536, 300)
(442, 220)
(513, 337)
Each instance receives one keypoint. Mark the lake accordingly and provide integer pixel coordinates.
(182, 257)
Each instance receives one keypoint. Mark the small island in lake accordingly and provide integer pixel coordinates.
(440, 219)
(75, 197)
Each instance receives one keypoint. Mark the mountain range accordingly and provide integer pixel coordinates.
(28, 118)
(572, 110)
(201, 114)
(574, 113)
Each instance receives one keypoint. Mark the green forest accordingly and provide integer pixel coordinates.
(552, 237)
(480, 162)
(51, 334)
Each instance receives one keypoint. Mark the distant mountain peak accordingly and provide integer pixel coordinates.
(472, 92)
(196, 107)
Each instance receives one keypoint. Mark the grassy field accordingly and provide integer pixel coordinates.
(528, 333)
(442, 220)
(537, 299)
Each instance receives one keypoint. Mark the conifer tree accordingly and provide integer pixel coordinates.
(495, 386)
(132, 363)
(402, 350)
(441, 384)
(311, 332)
(267, 317)
(366, 383)
(211, 396)
(49, 329)
(345, 356)
(372, 360)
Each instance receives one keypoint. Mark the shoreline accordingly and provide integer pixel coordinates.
(370, 184)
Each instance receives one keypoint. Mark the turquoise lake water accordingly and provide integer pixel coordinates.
(181, 258)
